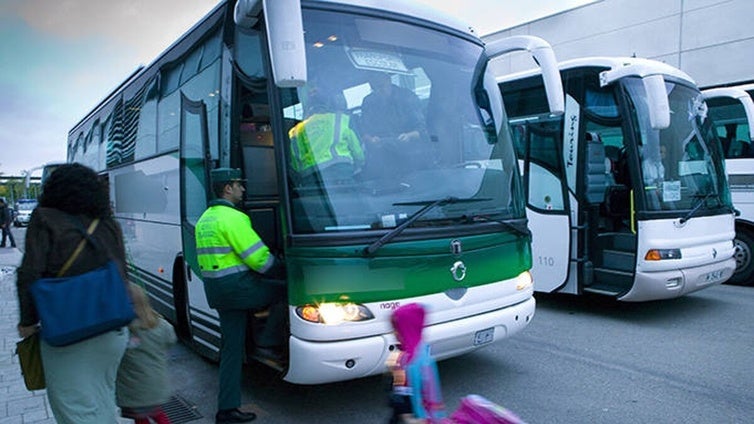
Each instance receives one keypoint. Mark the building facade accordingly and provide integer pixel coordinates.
(711, 40)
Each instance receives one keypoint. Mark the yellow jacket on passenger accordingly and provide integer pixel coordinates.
(322, 140)
(226, 244)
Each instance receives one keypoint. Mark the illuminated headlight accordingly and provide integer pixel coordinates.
(524, 280)
(660, 254)
(334, 313)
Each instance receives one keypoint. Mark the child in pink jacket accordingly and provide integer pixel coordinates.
(416, 393)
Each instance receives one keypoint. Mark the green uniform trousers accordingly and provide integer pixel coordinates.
(233, 297)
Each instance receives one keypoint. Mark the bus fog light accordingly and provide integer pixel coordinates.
(661, 254)
(334, 313)
(673, 282)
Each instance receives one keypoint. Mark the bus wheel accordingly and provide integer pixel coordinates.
(180, 301)
(744, 246)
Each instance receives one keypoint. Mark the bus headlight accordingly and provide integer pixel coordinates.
(660, 254)
(334, 313)
(524, 281)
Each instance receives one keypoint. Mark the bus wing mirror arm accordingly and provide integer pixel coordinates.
(285, 36)
(654, 86)
(544, 56)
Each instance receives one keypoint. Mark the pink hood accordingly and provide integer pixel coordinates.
(408, 322)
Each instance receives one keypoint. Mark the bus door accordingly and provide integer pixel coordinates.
(608, 247)
(262, 201)
(195, 164)
(548, 210)
(253, 131)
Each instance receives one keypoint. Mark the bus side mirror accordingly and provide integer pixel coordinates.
(285, 37)
(543, 54)
(659, 105)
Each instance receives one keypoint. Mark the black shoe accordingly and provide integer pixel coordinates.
(234, 416)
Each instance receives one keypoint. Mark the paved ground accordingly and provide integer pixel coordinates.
(17, 405)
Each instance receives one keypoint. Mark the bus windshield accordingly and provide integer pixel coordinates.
(395, 116)
(681, 165)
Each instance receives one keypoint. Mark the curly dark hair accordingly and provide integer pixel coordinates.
(76, 189)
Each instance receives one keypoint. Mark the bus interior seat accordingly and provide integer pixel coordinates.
(596, 177)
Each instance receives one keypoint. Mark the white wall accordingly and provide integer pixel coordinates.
(711, 40)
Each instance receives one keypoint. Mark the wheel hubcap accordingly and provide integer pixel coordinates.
(742, 255)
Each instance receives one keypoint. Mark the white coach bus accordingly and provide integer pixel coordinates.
(626, 192)
(732, 113)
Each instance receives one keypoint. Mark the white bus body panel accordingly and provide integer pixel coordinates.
(483, 315)
(145, 198)
(706, 258)
(550, 247)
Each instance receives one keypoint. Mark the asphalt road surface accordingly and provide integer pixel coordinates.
(581, 360)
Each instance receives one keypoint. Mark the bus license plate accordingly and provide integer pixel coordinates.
(713, 276)
(484, 336)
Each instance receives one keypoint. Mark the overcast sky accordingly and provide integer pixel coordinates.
(59, 58)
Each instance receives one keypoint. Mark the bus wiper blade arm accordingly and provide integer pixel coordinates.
(428, 205)
(702, 201)
(518, 225)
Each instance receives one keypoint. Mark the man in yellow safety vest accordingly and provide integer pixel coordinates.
(240, 275)
(324, 145)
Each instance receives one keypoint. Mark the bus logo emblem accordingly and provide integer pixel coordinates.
(458, 270)
(455, 247)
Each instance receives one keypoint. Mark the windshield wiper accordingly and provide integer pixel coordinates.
(702, 201)
(518, 225)
(428, 205)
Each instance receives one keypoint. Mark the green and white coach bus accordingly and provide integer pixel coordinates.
(446, 228)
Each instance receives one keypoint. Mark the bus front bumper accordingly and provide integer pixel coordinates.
(657, 285)
(325, 362)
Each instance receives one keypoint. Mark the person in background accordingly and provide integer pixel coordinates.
(240, 274)
(391, 125)
(81, 376)
(416, 393)
(391, 112)
(6, 220)
(143, 381)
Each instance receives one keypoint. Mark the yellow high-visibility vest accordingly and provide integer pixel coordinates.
(322, 140)
(226, 243)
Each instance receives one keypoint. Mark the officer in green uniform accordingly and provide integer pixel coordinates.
(240, 274)
(324, 143)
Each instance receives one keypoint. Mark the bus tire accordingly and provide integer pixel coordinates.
(744, 247)
(180, 301)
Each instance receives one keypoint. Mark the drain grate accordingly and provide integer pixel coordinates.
(180, 411)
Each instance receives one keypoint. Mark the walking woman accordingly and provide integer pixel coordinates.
(81, 376)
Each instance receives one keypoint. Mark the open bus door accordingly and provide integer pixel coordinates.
(548, 201)
(195, 164)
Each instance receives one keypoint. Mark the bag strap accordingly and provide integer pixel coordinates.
(79, 248)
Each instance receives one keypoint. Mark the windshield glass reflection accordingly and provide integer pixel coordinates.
(394, 116)
(680, 164)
